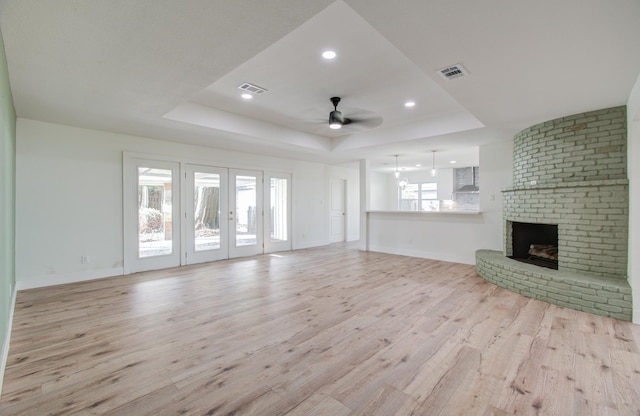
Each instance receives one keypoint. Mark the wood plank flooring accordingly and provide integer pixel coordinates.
(326, 331)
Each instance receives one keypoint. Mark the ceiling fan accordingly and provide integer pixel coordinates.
(337, 120)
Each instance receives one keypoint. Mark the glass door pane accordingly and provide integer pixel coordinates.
(206, 214)
(246, 214)
(155, 226)
(152, 228)
(279, 210)
(278, 215)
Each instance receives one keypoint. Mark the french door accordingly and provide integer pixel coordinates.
(246, 217)
(206, 233)
(151, 215)
(179, 213)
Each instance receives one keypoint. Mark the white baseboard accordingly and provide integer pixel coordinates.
(7, 339)
(60, 279)
(311, 244)
(451, 257)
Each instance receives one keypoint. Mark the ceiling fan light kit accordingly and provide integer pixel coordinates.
(335, 117)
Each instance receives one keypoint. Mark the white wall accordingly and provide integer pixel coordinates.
(633, 171)
(451, 237)
(379, 191)
(69, 198)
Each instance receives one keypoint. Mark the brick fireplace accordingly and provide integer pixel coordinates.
(569, 174)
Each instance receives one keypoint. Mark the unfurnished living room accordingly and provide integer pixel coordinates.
(319, 207)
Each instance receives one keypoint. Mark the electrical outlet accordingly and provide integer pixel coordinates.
(84, 259)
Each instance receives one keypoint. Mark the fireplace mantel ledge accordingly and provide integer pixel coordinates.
(580, 184)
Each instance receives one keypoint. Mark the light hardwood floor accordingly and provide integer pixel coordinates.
(327, 331)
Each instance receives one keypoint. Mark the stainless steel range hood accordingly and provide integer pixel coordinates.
(469, 188)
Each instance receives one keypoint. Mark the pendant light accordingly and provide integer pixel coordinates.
(402, 183)
(433, 164)
(397, 172)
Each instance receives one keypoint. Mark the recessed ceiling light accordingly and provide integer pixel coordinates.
(329, 54)
(410, 104)
(247, 96)
(452, 161)
(418, 165)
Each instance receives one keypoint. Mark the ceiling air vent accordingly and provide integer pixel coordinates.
(253, 89)
(453, 71)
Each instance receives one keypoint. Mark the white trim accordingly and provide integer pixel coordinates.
(53, 280)
(311, 244)
(7, 338)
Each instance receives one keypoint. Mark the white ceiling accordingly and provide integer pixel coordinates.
(170, 70)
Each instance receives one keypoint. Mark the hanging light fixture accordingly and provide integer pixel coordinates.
(402, 183)
(397, 172)
(433, 163)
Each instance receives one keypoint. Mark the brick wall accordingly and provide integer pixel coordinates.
(592, 219)
(588, 146)
(570, 172)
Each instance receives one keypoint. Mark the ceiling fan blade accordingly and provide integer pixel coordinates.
(369, 122)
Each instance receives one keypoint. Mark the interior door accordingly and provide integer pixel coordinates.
(277, 218)
(338, 209)
(245, 215)
(152, 220)
(206, 207)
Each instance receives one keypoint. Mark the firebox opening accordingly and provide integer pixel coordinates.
(535, 244)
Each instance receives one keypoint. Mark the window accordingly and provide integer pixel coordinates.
(419, 197)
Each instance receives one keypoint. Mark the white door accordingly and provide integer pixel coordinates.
(245, 215)
(277, 218)
(206, 207)
(338, 209)
(152, 220)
